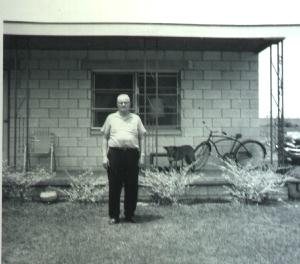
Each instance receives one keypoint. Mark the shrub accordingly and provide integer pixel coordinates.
(166, 187)
(18, 184)
(86, 188)
(252, 185)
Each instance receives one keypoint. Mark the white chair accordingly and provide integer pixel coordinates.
(41, 144)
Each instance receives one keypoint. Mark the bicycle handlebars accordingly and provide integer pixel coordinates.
(213, 131)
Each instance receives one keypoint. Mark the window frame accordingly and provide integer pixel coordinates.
(103, 109)
(135, 94)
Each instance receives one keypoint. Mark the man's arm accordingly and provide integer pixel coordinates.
(142, 152)
(104, 152)
(142, 132)
(105, 130)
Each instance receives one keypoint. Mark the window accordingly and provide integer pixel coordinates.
(106, 88)
(154, 96)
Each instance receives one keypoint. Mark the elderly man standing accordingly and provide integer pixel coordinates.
(122, 154)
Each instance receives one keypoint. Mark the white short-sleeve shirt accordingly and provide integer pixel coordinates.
(123, 131)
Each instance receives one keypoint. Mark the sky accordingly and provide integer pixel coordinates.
(291, 85)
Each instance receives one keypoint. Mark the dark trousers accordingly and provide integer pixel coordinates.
(123, 170)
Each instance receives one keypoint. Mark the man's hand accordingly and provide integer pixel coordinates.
(105, 162)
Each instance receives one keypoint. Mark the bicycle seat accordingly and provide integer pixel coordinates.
(237, 136)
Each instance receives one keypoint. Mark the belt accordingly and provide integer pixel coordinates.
(123, 149)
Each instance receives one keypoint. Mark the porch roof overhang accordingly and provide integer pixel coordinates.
(137, 43)
(139, 36)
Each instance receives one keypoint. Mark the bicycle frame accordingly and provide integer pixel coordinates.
(222, 138)
(237, 150)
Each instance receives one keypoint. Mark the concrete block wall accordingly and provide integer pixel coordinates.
(220, 88)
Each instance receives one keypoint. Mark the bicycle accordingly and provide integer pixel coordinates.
(244, 153)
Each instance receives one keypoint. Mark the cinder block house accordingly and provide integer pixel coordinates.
(62, 75)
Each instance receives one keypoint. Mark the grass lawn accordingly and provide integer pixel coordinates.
(200, 233)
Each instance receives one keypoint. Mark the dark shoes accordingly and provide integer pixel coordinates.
(129, 220)
(113, 221)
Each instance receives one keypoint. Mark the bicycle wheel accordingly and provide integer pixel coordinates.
(202, 152)
(250, 153)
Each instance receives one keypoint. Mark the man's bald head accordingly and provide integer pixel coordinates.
(123, 98)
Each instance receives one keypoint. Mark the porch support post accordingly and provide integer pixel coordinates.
(277, 127)
(280, 117)
(1, 112)
(27, 109)
(271, 109)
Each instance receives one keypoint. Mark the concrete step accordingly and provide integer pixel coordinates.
(209, 186)
(207, 177)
